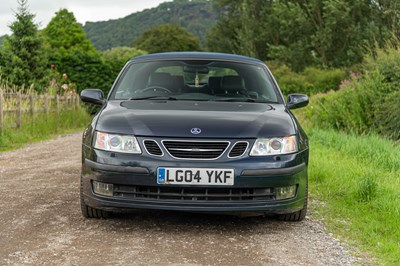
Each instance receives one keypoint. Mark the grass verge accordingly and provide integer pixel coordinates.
(43, 127)
(358, 177)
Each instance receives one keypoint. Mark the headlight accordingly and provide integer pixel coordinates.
(118, 143)
(274, 146)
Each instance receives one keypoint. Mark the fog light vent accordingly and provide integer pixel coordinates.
(285, 192)
(103, 188)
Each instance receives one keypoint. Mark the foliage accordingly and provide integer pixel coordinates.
(358, 179)
(351, 108)
(238, 30)
(366, 102)
(73, 54)
(1, 40)
(303, 33)
(43, 127)
(63, 33)
(23, 53)
(60, 84)
(87, 70)
(117, 57)
(196, 16)
(167, 38)
(387, 111)
(39, 126)
(310, 81)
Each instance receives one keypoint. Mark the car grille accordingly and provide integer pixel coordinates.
(196, 149)
(238, 149)
(153, 148)
(193, 194)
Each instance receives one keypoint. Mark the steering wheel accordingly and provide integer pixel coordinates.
(156, 88)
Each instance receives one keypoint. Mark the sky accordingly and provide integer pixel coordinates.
(84, 10)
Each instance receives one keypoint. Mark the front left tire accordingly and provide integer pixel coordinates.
(89, 212)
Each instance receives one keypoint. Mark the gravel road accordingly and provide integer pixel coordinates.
(41, 224)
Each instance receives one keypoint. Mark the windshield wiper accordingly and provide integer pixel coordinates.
(234, 100)
(167, 98)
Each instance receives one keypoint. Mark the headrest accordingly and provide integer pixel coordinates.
(214, 82)
(232, 83)
(179, 83)
(160, 79)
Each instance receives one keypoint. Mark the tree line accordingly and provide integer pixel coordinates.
(301, 33)
(296, 33)
(62, 54)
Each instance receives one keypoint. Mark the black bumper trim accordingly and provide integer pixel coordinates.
(274, 171)
(284, 206)
(116, 168)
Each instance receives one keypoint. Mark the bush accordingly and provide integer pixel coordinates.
(386, 62)
(311, 81)
(387, 115)
(364, 103)
(350, 109)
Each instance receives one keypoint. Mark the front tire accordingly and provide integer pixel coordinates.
(296, 216)
(89, 212)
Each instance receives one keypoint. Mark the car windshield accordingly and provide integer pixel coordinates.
(197, 80)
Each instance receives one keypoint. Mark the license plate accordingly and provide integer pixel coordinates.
(195, 176)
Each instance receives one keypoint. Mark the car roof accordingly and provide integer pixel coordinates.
(196, 56)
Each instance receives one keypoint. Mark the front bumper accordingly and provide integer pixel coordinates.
(138, 172)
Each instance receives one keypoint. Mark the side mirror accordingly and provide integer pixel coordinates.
(297, 101)
(94, 96)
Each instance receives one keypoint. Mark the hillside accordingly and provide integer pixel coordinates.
(196, 16)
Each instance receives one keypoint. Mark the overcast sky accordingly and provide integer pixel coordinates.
(84, 10)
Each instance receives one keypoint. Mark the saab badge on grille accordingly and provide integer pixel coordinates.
(195, 130)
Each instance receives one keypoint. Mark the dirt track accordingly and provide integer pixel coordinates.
(41, 223)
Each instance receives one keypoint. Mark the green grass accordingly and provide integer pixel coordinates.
(42, 127)
(358, 177)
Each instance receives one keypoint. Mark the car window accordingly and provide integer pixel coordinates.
(195, 80)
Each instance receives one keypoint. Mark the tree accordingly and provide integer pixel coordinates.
(240, 29)
(24, 56)
(167, 38)
(64, 32)
(117, 57)
(72, 53)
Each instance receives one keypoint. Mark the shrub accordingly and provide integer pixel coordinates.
(311, 81)
(387, 115)
(351, 108)
(324, 80)
(364, 103)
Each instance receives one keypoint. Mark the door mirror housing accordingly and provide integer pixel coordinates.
(297, 101)
(93, 96)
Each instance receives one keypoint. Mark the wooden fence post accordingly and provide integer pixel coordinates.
(73, 103)
(1, 112)
(57, 103)
(32, 104)
(46, 103)
(19, 109)
(77, 101)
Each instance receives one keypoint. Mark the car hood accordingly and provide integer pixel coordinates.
(177, 119)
